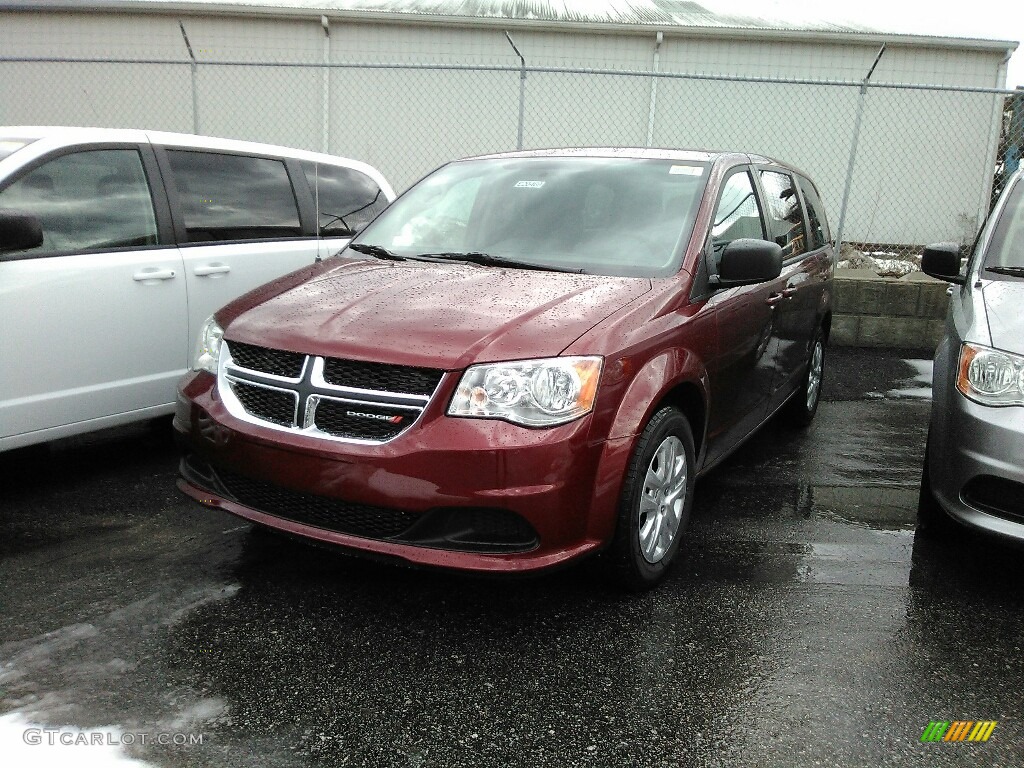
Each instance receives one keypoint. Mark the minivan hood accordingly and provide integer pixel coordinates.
(1003, 302)
(433, 315)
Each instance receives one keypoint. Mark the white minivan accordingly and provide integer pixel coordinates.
(116, 245)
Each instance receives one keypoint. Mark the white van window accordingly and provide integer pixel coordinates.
(234, 197)
(93, 200)
(349, 200)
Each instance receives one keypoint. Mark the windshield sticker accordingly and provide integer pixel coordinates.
(686, 170)
(530, 184)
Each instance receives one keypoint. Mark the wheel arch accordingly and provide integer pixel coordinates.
(691, 400)
(675, 377)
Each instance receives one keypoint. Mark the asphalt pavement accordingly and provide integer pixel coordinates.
(806, 624)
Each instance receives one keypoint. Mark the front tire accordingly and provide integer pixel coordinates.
(932, 521)
(657, 496)
(804, 403)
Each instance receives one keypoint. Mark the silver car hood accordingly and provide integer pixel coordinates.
(1004, 306)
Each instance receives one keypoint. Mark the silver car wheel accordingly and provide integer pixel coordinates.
(814, 375)
(663, 499)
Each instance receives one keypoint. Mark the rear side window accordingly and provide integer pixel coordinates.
(234, 197)
(819, 234)
(785, 216)
(87, 201)
(348, 199)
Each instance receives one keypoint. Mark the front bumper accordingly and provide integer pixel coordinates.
(468, 494)
(976, 456)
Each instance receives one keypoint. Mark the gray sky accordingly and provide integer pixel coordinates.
(989, 19)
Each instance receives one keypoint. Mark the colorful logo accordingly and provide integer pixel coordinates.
(958, 730)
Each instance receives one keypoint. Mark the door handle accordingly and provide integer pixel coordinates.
(777, 298)
(211, 269)
(789, 292)
(153, 273)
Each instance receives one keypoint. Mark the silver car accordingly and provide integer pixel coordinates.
(974, 462)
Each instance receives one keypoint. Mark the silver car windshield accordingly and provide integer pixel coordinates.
(612, 216)
(1007, 248)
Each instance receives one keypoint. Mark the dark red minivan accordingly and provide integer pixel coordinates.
(526, 359)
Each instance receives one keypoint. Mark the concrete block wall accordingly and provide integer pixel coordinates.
(873, 311)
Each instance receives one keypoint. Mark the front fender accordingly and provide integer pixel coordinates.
(650, 386)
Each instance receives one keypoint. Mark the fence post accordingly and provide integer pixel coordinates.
(522, 91)
(326, 106)
(195, 79)
(853, 151)
(654, 89)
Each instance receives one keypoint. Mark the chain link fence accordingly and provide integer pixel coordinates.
(899, 166)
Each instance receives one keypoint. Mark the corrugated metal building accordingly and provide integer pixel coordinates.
(923, 169)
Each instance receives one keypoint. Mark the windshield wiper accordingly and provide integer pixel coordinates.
(487, 260)
(1015, 271)
(378, 251)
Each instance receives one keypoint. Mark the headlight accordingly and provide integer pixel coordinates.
(207, 354)
(534, 393)
(990, 376)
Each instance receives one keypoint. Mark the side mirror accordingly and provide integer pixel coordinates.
(747, 261)
(942, 260)
(19, 231)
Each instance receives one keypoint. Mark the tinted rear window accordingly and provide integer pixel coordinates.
(348, 199)
(234, 197)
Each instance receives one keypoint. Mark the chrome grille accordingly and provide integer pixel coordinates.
(381, 377)
(360, 422)
(274, 405)
(327, 398)
(276, 362)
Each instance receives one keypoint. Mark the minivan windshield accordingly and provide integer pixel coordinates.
(1006, 253)
(601, 215)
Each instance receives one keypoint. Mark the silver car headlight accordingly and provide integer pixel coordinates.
(990, 376)
(533, 393)
(207, 354)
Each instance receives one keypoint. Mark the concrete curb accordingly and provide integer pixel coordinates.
(873, 311)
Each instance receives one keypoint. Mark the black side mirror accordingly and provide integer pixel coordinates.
(19, 231)
(747, 261)
(942, 260)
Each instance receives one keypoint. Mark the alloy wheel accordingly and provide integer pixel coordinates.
(663, 499)
(814, 375)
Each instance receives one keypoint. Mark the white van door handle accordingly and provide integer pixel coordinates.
(153, 273)
(211, 269)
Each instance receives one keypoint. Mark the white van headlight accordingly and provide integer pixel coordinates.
(534, 393)
(207, 356)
